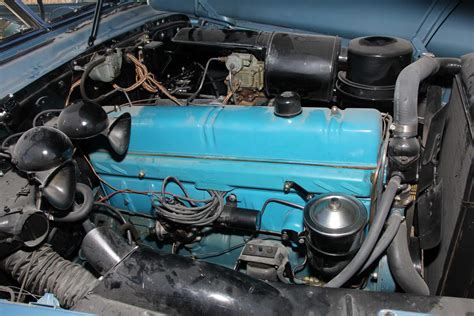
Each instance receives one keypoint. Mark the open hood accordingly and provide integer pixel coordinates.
(443, 27)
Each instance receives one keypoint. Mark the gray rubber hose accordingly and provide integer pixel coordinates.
(382, 210)
(393, 223)
(407, 86)
(401, 265)
(406, 94)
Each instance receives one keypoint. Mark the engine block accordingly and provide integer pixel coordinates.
(247, 151)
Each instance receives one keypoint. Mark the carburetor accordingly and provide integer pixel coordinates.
(246, 75)
(246, 71)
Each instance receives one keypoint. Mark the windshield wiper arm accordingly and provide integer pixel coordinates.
(95, 23)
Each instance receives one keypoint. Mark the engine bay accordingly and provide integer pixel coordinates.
(235, 156)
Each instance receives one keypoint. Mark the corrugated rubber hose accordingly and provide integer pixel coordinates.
(43, 270)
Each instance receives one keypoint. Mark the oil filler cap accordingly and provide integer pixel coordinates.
(288, 104)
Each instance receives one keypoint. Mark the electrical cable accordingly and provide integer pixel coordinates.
(115, 211)
(300, 266)
(224, 251)
(9, 138)
(82, 86)
(37, 116)
(218, 253)
(146, 79)
(8, 290)
(200, 212)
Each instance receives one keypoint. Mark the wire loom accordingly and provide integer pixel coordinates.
(199, 212)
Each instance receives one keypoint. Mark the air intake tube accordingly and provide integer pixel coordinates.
(43, 270)
(173, 284)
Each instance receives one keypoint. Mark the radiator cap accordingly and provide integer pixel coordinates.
(288, 104)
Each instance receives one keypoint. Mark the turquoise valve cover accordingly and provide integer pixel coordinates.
(247, 151)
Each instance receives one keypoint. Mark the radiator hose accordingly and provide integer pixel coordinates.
(43, 270)
(407, 86)
(401, 265)
(404, 147)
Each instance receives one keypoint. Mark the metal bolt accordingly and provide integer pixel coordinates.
(301, 241)
(335, 204)
(251, 248)
(374, 276)
(392, 127)
(141, 174)
(334, 110)
(232, 198)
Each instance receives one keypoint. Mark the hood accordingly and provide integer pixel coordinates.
(443, 27)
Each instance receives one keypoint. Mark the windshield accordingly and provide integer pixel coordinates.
(10, 24)
(53, 10)
(14, 23)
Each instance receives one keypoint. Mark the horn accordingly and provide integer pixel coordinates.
(83, 120)
(47, 153)
(41, 148)
(118, 133)
(59, 185)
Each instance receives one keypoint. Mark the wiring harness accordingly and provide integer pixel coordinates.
(186, 210)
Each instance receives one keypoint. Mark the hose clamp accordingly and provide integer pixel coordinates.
(404, 130)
